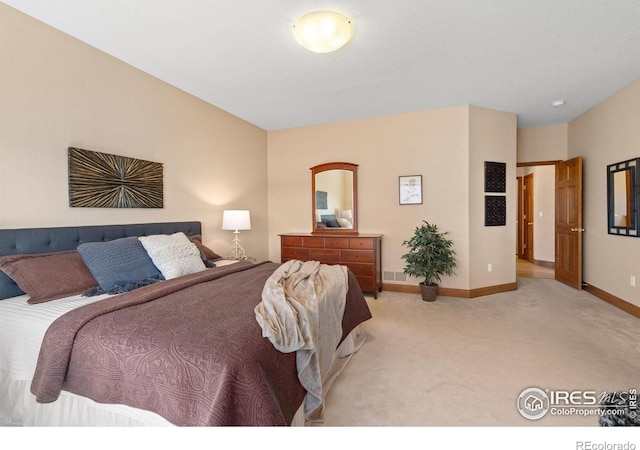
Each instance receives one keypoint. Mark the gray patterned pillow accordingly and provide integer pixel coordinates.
(119, 265)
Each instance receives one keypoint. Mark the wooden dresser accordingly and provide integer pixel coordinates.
(361, 253)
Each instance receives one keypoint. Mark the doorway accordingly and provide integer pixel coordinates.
(561, 231)
(536, 214)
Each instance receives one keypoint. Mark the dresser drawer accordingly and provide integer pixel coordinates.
(295, 253)
(324, 254)
(357, 256)
(315, 242)
(362, 243)
(367, 284)
(336, 242)
(367, 270)
(291, 241)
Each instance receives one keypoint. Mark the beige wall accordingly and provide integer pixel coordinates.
(492, 138)
(56, 92)
(435, 144)
(538, 144)
(544, 213)
(607, 134)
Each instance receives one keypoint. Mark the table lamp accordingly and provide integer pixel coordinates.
(236, 220)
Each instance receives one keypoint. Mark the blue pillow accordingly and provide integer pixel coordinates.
(119, 265)
(330, 220)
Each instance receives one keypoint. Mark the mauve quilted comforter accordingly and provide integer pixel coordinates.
(189, 349)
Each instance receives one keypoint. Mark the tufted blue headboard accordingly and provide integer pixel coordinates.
(46, 240)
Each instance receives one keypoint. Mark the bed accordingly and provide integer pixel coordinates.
(192, 348)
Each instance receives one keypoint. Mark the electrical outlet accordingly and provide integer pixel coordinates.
(632, 280)
(490, 267)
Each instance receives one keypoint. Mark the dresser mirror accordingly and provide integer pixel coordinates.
(334, 190)
(623, 191)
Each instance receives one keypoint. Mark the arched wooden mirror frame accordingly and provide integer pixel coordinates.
(318, 228)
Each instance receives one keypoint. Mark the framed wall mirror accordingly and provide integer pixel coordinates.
(334, 203)
(623, 192)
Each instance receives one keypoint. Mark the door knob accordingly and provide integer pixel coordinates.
(579, 230)
(530, 223)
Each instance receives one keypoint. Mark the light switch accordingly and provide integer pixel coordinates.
(540, 214)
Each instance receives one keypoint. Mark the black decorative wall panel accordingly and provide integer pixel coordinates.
(495, 177)
(495, 210)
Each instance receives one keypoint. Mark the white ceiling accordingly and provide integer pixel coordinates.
(407, 55)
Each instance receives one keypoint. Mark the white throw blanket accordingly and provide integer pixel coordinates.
(301, 310)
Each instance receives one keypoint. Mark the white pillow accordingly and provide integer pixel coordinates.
(344, 223)
(174, 255)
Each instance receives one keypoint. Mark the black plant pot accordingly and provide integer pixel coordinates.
(429, 292)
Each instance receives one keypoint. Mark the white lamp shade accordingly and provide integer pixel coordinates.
(236, 219)
(323, 32)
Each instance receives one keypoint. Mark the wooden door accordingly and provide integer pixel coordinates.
(519, 221)
(569, 222)
(528, 218)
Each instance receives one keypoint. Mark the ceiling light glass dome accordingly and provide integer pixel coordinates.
(323, 32)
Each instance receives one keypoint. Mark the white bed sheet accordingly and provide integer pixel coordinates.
(22, 328)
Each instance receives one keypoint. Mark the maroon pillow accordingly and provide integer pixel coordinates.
(48, 276)
(206, 251)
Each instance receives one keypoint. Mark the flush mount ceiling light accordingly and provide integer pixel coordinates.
(558, 103)
(323, 32)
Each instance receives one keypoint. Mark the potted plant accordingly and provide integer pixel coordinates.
(430, 256)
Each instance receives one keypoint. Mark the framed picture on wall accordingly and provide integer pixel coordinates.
(410, 188)
(321, 200)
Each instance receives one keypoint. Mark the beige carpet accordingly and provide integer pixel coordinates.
(464, 362)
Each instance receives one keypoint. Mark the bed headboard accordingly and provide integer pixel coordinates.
(46, 240)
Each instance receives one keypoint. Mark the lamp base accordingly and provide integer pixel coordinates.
(236, 252)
